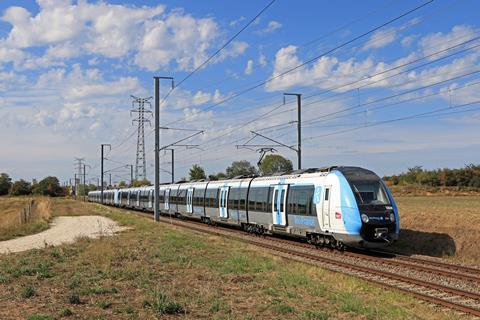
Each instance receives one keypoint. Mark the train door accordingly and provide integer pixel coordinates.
(190, 200)
(167, 199)
(279, 205)
(223, 202)
(326, 207)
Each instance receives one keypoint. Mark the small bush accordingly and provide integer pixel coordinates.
(4, 279)
(100, 290)
(74, 298)
(104, 304)
(40, 317)
(28, 292)
(74, 284)
(160, 304)
(66, 313)
(313, 315)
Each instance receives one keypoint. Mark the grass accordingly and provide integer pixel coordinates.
(440, 226)
(157, 270)
(10, 222)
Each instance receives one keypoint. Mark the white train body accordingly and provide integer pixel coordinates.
(333, 206)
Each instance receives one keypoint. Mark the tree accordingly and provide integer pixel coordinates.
(141, 183)
(5, 184)
(122, 184)
(273, 163)
(50, 186)
(197, 173)
(21, 188)
(240, 168)
(218, 176)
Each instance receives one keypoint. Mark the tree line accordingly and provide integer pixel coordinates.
(270, 164)
(468, 176)
(49, 186)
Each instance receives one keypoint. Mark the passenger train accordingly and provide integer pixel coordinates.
(332, 206)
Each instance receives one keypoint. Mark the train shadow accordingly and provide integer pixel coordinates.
(433, 244)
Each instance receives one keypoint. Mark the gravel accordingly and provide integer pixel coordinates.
(63, 230)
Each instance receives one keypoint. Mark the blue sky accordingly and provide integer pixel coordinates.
(404, 95)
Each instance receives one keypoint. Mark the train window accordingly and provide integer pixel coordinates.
(258, 199)
(275, 200)
(282, 197)
(242, 199)
(327, 193)
(173, 196)
(235, 200)
(369, 192)
(268, 207)
(198, 196)
(210, 198)
(300, 200)
(181, 196)
(252, 198)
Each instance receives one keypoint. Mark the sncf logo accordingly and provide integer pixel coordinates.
(338, 215)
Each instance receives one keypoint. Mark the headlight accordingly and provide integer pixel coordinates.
(364, 218)
(392, 217)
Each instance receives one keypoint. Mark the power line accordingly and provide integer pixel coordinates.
(313, 59)
(370, 83)
(383, 79)
(418, 115)
(221, 48)
(384, 106)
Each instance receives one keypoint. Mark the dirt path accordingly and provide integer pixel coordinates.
(63, 230)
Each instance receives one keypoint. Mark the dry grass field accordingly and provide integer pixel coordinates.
(442, 226)
(11, 224)
(161, 271)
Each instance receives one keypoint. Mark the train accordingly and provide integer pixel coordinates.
(335, 206)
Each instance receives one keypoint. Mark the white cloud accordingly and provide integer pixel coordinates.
(235, 22)
(194, 114)
(332, 73)
(249, 69)
(384, 37)
(262, 60)
(201, 97)
(147, 36)
(407, 41)
(440, 41)
(380, 39)
(271, 27)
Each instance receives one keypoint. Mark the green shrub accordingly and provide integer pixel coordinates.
(28, 292)
(161, 304)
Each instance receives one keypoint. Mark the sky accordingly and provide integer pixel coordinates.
(385, 85)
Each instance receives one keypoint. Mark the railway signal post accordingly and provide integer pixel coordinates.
(101, 169)
(156, 81)
(299, 126)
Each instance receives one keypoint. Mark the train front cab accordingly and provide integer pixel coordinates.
(367, 208)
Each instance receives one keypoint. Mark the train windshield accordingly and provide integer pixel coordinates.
(369, 193)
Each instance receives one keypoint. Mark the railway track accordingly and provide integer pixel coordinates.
(465, 301)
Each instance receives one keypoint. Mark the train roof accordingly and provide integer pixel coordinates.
(357, 173)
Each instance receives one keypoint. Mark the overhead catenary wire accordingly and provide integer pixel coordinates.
(370, 83)
(230, 40)
(237, 94)
(400, 102)
(418, 115)
(402, 65)
(293, 109)
(377, 39)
